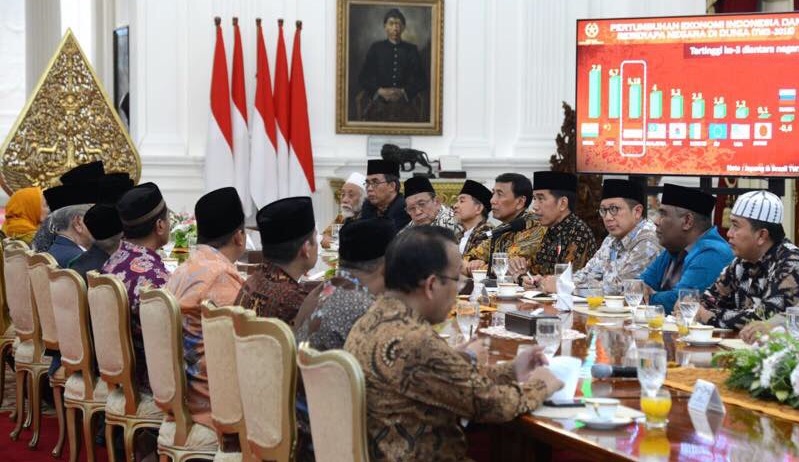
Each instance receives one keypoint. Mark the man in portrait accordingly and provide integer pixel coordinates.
(392, 77)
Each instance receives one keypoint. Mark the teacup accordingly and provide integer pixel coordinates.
(507, 289)
(700, 332)
(479, 275)
(614, 301)
(603, 408)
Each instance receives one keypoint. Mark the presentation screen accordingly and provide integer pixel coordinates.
(698, 95)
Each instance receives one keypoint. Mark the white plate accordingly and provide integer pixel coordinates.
(700, 343)
(543, 299)
(509, 297)
(607, 309)
(592, 421)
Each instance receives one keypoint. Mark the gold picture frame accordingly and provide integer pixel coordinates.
(389, 67)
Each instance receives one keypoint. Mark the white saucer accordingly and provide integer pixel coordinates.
(607, 309)
(597, 424)
(543, 299)
(509, 297)
(700, 343)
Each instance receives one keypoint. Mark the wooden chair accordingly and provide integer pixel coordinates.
(266, 358)
(84, 391)
(7, 334)
(126, 406)
(179, 438)
(223, 379)
(29, 359)
(336, 392)
(39, 266)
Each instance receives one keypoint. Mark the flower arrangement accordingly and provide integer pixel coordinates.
(183, 232)
(770, 371)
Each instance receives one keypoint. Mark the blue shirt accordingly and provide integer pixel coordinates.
(702, 265)
(64, 251)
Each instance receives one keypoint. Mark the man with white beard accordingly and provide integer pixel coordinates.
(353, 194)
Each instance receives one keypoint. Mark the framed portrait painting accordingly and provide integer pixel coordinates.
(389, 65)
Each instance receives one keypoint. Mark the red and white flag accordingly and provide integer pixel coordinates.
(263, 158)
(241, 136)
(219, 168)
(281, 99)
(301, 171)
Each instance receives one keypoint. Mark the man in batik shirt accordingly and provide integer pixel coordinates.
(425, 208)
(145, 227)
(290, 249)
(209, 274)
(471, 210)
(383, 199)
(763, 278)
(631, 243)
(520, 233)
(352, 196)
(418, 387)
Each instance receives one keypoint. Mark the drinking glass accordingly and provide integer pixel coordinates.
(688, 301)
(633, 292)
(468, 316)
(594, 296)
(560, 268)
(682, 323)
(548, 335)
(651, 369)
(500, 265)
(792, 321)
(656, 408)
(334, 234)
(655, 316)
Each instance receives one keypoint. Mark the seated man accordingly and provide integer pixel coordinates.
(520, 234)
(145, 228)
(568, 238)
(630, 246)
(418, 387)
(353, 194)
(763, 279)
(72, 238)
(694, 252)
(471, 210)
(209, 274)
(102, 221)
(383, 199)
(329, 312)
(424, 207)
(288, 238)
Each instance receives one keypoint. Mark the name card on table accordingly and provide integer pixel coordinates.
(705, 397)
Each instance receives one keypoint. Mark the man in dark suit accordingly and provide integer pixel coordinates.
(103, 223)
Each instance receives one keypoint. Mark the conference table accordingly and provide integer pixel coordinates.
(740, 434)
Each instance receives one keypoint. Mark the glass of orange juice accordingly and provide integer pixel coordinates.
(655, 316)
(682, 324)
(594, 297)
(656, 407)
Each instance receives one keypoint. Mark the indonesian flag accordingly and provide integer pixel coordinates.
(219, 168)
(263, 159)
(281, 99)
(301, 180)
(241, 136)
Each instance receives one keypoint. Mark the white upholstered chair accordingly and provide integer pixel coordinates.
(179, 438)
(266, 358)
(126, 406)
(84, 391)
(39, 267)
(7, 334)
(336, 393)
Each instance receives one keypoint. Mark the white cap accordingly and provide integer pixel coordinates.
(357, 179)
(759, 205)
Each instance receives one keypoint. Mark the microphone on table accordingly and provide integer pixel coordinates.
(604, 371)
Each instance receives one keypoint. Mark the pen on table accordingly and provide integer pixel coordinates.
(532, 281)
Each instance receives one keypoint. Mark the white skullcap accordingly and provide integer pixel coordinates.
(759, 205)
(358, 179)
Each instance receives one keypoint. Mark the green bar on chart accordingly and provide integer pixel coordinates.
(635, 102)
(677, 106)
(719, 110)
(655, 103)
(614, 96)
(594, 92)
(741, 112)
(698, 108)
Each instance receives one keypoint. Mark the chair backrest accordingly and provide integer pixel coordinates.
(110, 314)
(18, 292)
(336, 392)
(39, 267)
(266, 356)
(71, 313)
(162, 331)
(5, 316)
(220, 360)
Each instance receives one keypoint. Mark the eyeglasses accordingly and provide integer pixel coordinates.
(374, 183)
(460, 280)
(613, 210)
(419, 205)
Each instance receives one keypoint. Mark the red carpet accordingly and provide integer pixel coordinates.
(17, 451)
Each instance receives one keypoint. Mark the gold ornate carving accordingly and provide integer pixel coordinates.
(69, 120)
(446, 190)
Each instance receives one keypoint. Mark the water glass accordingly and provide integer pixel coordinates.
(560, 268)
(688, 301)
(651, 369)
(335, 230)
(499, 264)
(633, 292)
(792, 321)
(468, 316)
(656, 408)
(548, 335)
(498, 319)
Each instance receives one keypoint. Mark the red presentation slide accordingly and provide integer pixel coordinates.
(703, 95)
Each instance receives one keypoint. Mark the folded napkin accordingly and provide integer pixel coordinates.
(572, 412)
(565, 287)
